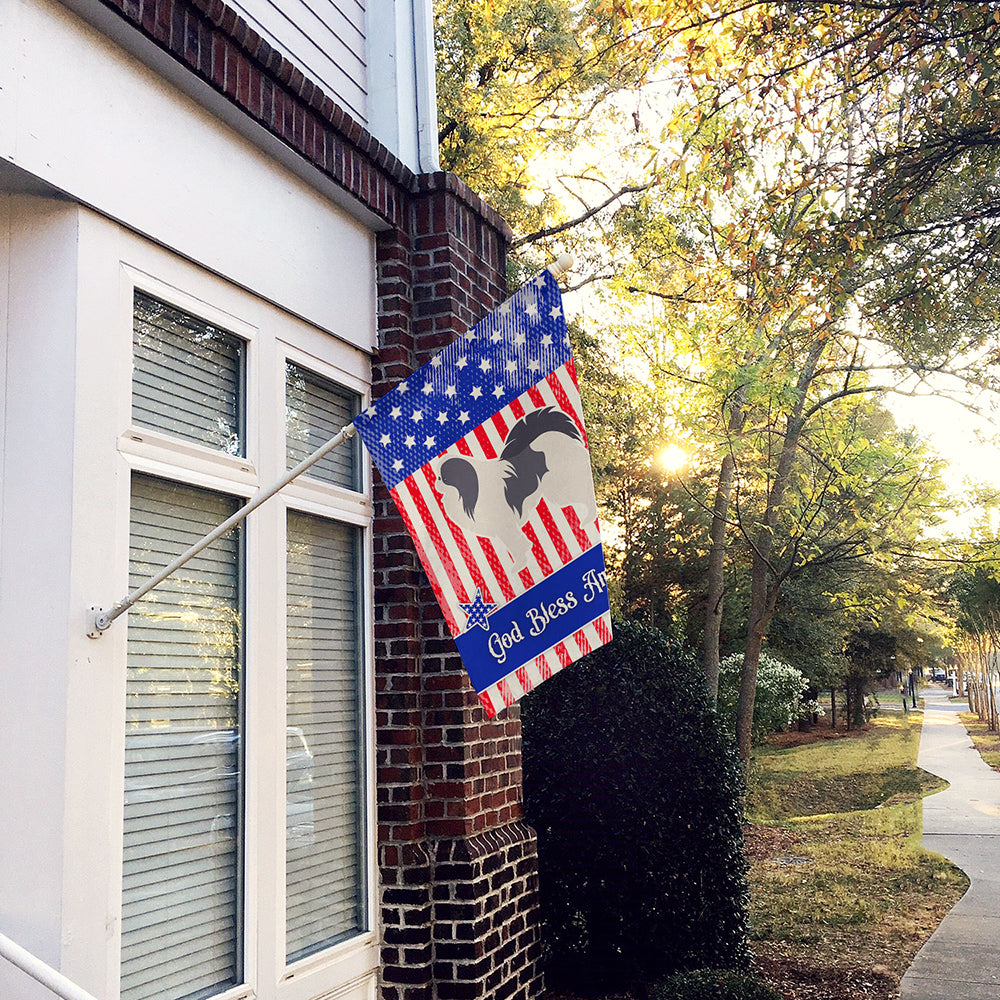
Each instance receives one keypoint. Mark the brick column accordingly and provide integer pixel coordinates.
(459, 868)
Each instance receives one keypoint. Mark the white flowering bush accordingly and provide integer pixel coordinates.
(779, 693)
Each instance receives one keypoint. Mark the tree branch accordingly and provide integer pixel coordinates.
(542, 234)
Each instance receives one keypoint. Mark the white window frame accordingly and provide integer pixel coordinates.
(347, 969)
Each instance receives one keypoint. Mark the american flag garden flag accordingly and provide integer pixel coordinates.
(485, 454)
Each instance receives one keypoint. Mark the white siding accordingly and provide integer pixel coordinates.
(325, 39)
(375, 58)
(108, 131)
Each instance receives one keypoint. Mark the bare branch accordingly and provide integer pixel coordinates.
(542, 234)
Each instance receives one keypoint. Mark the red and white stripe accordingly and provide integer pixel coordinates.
(458, 564)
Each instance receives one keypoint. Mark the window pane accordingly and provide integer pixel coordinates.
(325, 888)
(181, 929)
(187, 376)
(315, 410)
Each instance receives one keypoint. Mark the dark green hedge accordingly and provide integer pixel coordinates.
(713, 985)
(634, 790)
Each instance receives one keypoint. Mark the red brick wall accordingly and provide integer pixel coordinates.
(212, 41)
(458, 867)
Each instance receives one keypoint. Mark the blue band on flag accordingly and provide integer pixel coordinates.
(527, 626)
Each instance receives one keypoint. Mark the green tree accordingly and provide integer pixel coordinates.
(800, 213)
(871, 654)
(522, 80)
(975, 590)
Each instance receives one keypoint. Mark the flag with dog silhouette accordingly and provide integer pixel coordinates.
(485, 454)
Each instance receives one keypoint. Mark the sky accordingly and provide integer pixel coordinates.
(957, 436)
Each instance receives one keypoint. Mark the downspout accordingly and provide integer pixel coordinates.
(425, 86)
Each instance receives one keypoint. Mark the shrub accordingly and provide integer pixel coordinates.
(779, 692)
(634, 790)
(710, 984)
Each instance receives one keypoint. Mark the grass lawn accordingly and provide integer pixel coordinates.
(987, 743)
(842, 895)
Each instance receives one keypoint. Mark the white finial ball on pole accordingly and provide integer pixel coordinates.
(561, 265)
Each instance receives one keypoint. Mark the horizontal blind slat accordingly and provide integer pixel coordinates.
(181, 867)
(315, 410)
(187, 376)
(325, 891)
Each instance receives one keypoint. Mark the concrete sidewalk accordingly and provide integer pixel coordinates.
(961, 960)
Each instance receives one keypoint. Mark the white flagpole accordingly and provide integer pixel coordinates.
(101, 619)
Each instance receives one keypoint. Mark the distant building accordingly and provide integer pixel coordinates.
(222, 230)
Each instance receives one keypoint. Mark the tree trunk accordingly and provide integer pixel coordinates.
(859, 704)
(833, 708)
(762, 597)
(716, 581)
(762, 604)
(991, 701)
(717, 555)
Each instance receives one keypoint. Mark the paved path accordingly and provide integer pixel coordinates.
(961, 960)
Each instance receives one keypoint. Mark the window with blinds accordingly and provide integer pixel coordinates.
(182, 876)
(187, 377)
(185, 917)
(315, 410)
(325, 863)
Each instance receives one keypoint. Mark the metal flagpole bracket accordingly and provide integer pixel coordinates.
(102, 619)
(98, 621)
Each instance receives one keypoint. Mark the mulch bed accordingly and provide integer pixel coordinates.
(820, 730)
(800, 980)
(762, 842)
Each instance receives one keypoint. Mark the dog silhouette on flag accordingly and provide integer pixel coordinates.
(543, 458)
